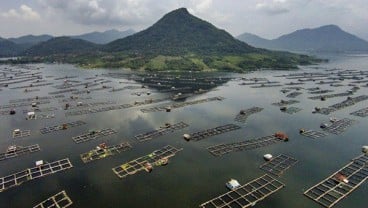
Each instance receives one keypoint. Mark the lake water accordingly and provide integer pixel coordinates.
(193, 176)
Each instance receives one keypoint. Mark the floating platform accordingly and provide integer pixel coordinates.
(21, 134)
(294, 94)
(143, 163)
(168, 128)
(213, 131)
(246, 195)
(61, 127)
(361, 113)
(285, 102)
(59, 200)
(313, 134)
(341, 183)
(291, 110)
(16, 151)
(339, 126)
(331, 95)
(181, 104)
(95, 134)
(344, 104)
(17, 105)
(221, 149)
(28, 174)
(278, 165)
(244, 114)
(115, 107)
(103, 152)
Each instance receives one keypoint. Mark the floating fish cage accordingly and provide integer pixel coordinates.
(168, 128)
(344, 104)
(339, 126)
(63, 126)
(246, 195)
(244, 114)
(222, 149)
(105, 151)
(38, 171)
(92, 135)
(15, 151)
(147, 162)
(278, 165)
(312, 133)
(59, 200)
(361, 113)
(294, 94)
(17, 133)
(181, 104)
(340, 184)
(285, 102)
(212, 132)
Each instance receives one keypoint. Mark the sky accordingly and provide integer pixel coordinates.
(266, 18)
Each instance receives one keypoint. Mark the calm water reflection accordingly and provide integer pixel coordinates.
(194, 175)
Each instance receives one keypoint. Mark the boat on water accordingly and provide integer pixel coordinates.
(232, 184)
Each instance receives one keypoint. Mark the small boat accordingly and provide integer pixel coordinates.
(232, 184)
(341, 178)
(148, 167)
(267, 157)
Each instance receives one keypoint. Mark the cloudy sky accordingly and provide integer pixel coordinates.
(267, 18)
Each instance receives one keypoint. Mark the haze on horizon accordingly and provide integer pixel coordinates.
(267, 18)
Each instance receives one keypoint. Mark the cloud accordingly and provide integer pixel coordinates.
(23, 13)
(274, 7)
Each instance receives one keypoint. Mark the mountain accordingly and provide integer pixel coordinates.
(61, 46)
(104, 37)
(328, 38)
(31, 39)
(179, 32)
(178, 41)
(8, 48)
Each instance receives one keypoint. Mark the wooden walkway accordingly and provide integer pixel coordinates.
(246, 195)
(139, 164)
(18, 151)
(213, 131)
(313, 134)
(59, 200)
(28, 174)
(168, 128)
(100, 153)
(60, 127)
(244, 114)
(278, 165)
(221, 149)
(21, 134)
(92, 135)
(331, 190)
(339, 126)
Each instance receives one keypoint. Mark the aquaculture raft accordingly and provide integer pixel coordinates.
(28, 174)
(313, 134)
(290, 110)
(221, 149)
(213, 131)
(331, 190)
(139, 164)
(344, 104)
(278, 165)
(362, 112)
(59, 200)
(61, 127)
(161, 131)
(19, 150)
(91, 135)
(244, 114)
(181, 104)
(339, 126)
(246, 195)
(102, 152)
(285, 102)
(21, 134)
